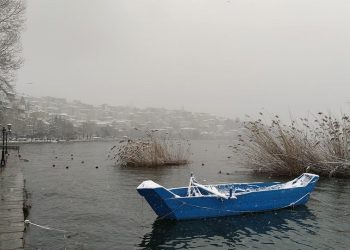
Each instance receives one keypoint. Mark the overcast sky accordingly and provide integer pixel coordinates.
(229, 58)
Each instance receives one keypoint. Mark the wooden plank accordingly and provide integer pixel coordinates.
(11, 206)
(10, 236)
(11, 244)
(12, 228)
(12, 219)
(19, 203)
(11, 213)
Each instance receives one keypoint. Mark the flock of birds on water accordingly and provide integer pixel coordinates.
(56, 157)
(83, 162)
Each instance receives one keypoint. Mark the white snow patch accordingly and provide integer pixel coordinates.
(148, 185)
(301, 181)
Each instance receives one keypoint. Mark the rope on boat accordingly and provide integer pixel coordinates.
(293, 203)
(45, 227)
(164, 216)
(327, 204)
(65, 236)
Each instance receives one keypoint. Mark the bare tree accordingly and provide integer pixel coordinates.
(11, 24)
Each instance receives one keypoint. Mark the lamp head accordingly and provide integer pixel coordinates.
(9, 126)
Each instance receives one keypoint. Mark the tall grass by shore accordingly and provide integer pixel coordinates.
(319, 145)
(151, 151)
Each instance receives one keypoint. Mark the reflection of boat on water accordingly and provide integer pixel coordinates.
(227, 231)
(204, 201)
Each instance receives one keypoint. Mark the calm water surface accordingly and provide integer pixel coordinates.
(101, 209)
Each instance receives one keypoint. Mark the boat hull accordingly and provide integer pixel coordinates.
(168, 205)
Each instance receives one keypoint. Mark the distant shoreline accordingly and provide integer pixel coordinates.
(15, 143)
(60, 141)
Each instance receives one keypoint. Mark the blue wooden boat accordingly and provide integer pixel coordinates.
(204, 201)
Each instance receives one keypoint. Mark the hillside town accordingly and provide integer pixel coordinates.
(50, 118)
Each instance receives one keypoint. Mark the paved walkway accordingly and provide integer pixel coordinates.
(11, 204)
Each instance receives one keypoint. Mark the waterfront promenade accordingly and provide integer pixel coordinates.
(11, 204)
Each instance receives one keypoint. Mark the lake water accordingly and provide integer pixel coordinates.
(100, 208)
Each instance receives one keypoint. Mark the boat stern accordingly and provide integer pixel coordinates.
(303, 186)
(310, 180)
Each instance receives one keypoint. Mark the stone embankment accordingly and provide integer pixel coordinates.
(12, 200)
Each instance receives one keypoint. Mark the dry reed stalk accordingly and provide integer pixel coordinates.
(320, 146)
(151, 151)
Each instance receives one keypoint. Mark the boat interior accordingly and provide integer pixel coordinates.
(234, 189)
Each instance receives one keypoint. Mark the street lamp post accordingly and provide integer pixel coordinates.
(6, 139)
(6, 152)
(3, 162)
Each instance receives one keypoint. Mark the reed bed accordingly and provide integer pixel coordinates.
(319, 145)
(151, 151)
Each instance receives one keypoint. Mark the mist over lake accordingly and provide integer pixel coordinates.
(174, 124)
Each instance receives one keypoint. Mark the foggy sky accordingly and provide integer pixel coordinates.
(229, 58)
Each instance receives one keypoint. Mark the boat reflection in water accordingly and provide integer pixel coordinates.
(246, 230)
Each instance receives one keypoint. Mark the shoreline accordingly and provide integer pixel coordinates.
(18, 143)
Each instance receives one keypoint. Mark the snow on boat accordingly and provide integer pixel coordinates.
(204, 201)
